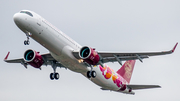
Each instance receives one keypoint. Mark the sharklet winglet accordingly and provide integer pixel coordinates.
(7, 56)
(174, 47)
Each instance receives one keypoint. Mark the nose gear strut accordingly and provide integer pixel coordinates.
(27, 42)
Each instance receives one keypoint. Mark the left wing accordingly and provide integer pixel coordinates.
(137, 87)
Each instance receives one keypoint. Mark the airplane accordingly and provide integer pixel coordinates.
(64, 52)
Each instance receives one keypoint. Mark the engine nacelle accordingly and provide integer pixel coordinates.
(89, 55)
(33, 58)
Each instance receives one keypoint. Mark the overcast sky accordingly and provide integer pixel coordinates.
(107, 25)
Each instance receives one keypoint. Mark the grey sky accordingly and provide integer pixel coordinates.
(111, 25)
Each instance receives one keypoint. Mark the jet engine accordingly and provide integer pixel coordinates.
(89, 55)
(33, 58)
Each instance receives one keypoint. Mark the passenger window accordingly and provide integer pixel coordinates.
(28, 13)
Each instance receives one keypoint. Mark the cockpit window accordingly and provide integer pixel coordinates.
(26, 12)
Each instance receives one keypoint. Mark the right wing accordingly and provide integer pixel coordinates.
(47, 58)
(137, 87)
(120, 56)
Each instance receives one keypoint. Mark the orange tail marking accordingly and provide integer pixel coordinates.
(126, 70)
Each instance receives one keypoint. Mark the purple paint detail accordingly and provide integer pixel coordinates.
(107, 72)
(102, 69)
(118, 81)
(123, 87)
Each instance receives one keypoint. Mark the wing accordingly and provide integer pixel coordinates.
(137, 87)
(116, 56)
(47, 58)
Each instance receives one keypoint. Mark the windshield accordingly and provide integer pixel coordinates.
(28, 13)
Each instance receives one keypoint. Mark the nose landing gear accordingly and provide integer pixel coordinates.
(27, 42)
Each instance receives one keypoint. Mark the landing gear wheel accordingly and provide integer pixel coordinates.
(89, 74)
(25, 42)
(93, 74)
(56, 76)
(52, 76)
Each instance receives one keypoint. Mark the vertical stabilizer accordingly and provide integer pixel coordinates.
(126, 70)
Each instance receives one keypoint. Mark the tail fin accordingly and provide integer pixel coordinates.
(126, 70)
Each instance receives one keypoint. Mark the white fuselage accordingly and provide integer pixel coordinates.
(60, 46)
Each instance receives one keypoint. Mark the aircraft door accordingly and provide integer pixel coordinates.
(39, 21)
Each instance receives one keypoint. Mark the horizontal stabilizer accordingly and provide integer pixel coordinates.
(104, 89)
(136, 87)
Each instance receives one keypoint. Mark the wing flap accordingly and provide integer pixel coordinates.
(124, 58)
(137, 87)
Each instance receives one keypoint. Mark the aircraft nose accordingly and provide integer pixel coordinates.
(16, 18)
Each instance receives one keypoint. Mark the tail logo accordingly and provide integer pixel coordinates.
(128, 70)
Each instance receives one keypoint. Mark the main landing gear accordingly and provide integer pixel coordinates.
(91, 73)
(54, 75)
